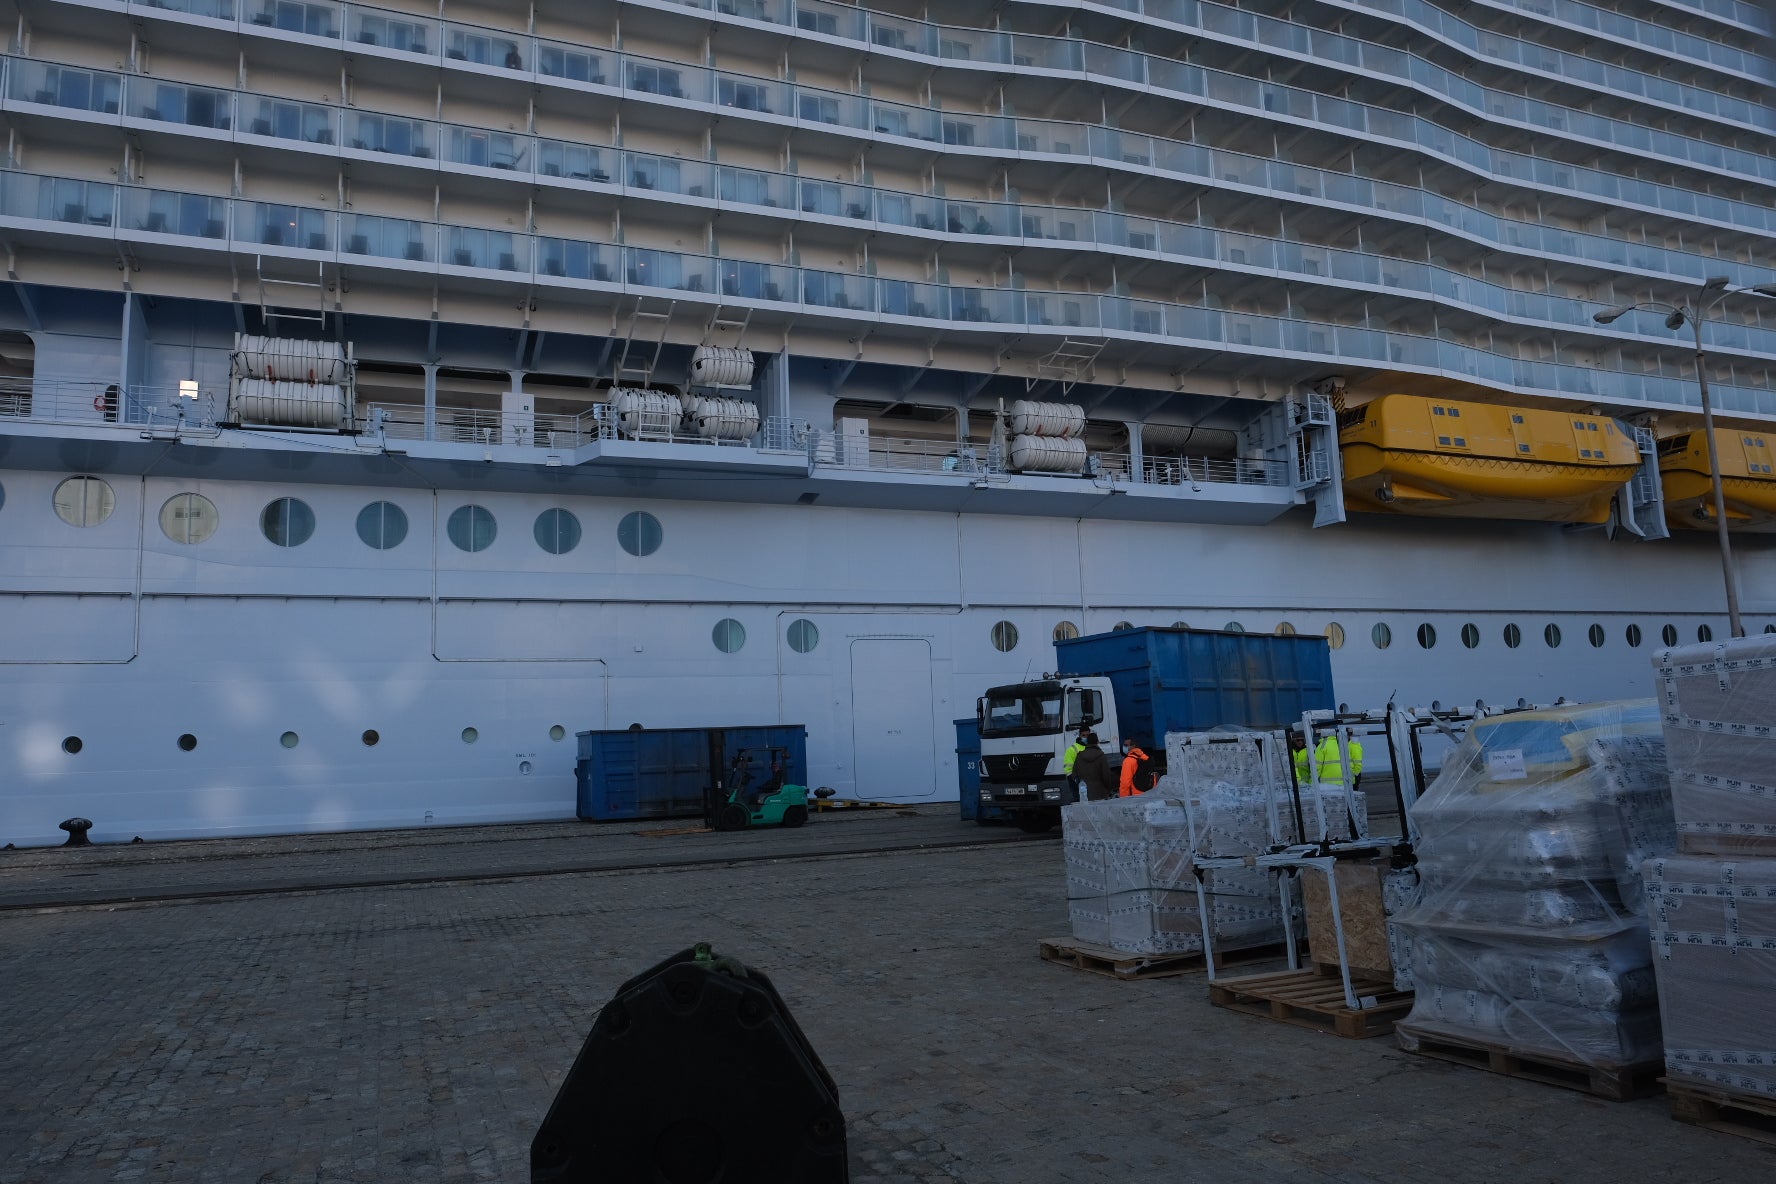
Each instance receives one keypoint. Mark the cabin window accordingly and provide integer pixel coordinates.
(1471, 635)
(729, 635)
(84, 501)
(1382, 636)
(1427, 636)
(471, 528)
(470, 735)
(639, 533)
(1551, 635)
(1633, 635)
(1005, 636)
(1704, 633)
(1596, 636)
(287, 522)
(804, 635)
(382, 525)
(1668, 635)
(1285, 629)
(1122, 626)
(1335, 635)
(1513, 637)
(188, 518)
(1234, 627)
(1065, 631)
(557, 531)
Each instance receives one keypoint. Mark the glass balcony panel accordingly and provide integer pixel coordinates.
(1045, 53)
(483, 47)
(752, 10)
(1109, 62)
(747, 94)
(574, 63)
(842, 111)
(312, 17)
(467, 246)
(389, 30)
(652, 269)
(63, 86)
(973, 45)
(222, 10)
(746, 187)
(392, 134)
(310, 123)
(192, 106)
(386, 238)
(156, 211)
(755, 281)
(886, 32)
(831, 20)
(652, 172)
(277, 225)
(834, 289)
(59, 199)
(577, 162)
(570, 259)
(480, 148)
(650, 79)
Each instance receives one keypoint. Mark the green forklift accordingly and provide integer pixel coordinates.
(755, 792)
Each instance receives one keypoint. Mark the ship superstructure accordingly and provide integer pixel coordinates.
(393, 390)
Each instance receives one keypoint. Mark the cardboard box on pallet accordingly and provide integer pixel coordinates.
(1713, 925)
(1718, 707)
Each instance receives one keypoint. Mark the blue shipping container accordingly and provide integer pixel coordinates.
(662, 772)
(1184, 680)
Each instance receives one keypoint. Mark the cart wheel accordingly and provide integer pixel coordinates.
(732, 816)
(795, 816)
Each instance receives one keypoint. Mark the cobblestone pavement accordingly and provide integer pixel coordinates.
(418, 1033)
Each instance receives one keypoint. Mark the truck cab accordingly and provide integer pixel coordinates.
(1025, 730)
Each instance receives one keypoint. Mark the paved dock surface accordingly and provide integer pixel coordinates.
(337, 1008)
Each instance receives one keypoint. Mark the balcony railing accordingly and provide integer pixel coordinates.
(543, 161)
(83, 208)
(548, 62)
(187, 409)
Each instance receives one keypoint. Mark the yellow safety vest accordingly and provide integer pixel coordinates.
(1325, 758)
(1071, 755)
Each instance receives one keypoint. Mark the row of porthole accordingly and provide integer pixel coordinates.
(1004, 634)
(72, 745)
(192, 518)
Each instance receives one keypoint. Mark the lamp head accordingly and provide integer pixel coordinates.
(1610, 314)
(1676, 319)
(1714, 283)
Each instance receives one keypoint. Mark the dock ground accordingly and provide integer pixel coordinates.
(401, 1006)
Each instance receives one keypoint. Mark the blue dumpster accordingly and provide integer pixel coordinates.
(662, 772)
(968, 774)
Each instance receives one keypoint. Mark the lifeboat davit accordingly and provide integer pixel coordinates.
(1748, 484)
(1413, 454)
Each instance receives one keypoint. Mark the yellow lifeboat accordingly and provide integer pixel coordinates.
(1748, 484)
(1412, 454)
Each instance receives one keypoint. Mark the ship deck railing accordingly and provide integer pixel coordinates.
(1200, 470)
(182, 407)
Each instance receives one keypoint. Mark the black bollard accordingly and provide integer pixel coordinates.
(694, 1073)
(76, 828)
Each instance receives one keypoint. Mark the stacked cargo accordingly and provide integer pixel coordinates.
(1713, 905)
(1530, 937)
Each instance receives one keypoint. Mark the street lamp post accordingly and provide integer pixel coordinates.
(1695, 310)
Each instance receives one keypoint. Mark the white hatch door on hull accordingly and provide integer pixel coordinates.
(893, 742)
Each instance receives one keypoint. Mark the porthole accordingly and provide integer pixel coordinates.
(471, 528)
(1704, 633)
(1551, 635)
(287, 522)
(639, 533)
(1767, 628)
(1335, 636)
(1233, 627)
(371, 737)
(289, 740)
(188, 518)
(1595, 636)
(187, 742)
(1381, 635)
(729, 635)
(557, 733)
(804, 635)
(72, 745)
(1427, 636)
(1285, 629)
(1180, 624)
(557, 531)
(1122, 626)
(470, 735)
(84, 501)
(1668, 635)
(1005, 636)
(1066, 631)
(382, 525)
(1471, 635)
(1513, 637)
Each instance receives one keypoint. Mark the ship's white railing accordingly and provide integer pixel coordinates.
(462, 425)
(602, 422)
(892, 454)
(1200, 470)
(185, 407)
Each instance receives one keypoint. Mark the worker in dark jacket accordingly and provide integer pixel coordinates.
(1091, 768)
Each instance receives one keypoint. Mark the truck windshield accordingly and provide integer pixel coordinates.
(1027, 709)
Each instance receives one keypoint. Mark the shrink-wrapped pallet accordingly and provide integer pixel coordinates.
(1530, 932)
(1718, 707)
(1714, 947)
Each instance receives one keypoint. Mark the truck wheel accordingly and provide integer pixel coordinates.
(1034, 822)
(795, 816)
(732, 816)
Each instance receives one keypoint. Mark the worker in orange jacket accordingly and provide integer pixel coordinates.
(1135, 778)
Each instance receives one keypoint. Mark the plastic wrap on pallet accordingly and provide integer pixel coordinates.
(1530, 927)
(1243, 781)
(1718, 706)
(1401, 890)
(1714, 949)
(1131, 881)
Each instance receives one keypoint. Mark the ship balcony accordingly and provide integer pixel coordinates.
(44, 90)
(483, 50)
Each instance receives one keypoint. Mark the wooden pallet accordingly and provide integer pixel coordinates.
(1616, 1083)
(1314, 998)
(1745, 1115)
(1064, 951)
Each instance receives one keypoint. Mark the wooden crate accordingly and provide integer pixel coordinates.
(1745, 1115)
(1064, 951)
(1617, 1083)
(1314, 998)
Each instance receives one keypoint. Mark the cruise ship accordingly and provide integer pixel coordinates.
(389, 392)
